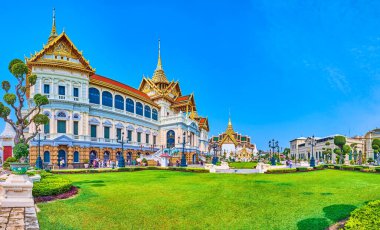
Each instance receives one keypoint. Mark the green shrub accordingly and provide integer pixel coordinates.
(366, 217)
(337, 167)
(302, 169)
(6, 164)
(367, 170)
(358, 168)
(348, 167)
(319, 167)
(31, 173)
(282, 170)
(45, 174)
(50, 186)
(377, 169)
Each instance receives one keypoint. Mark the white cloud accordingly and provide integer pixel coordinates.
(337, 79)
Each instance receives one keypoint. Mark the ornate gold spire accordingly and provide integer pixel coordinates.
(53, 33)
(159, 64)
(159, 74)
(229, 127)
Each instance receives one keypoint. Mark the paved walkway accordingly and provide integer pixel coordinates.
(18, 219)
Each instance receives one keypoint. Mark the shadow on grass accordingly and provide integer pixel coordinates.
(334, 213)
(313, 224)
(90, 182)
(338, 212)
(98, 185)
(327, 194)
(307, 193)
(263, 181)
(284, 184)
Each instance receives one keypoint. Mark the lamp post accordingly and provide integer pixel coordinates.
(39, 160)
(273, 144)
(183, 159)
(121, 162)
(215, 158)
(311, 141)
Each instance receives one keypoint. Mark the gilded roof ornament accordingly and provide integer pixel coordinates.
(159, 74)
(53, 33)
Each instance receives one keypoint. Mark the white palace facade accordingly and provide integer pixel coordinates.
(90, 114)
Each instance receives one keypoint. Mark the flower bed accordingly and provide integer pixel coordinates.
(366, 217)
(72, 192)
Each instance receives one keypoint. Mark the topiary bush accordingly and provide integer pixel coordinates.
(6, 164)
(366, 217)
(282, 170)
(51, 186)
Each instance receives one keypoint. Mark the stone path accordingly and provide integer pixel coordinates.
(18, 219)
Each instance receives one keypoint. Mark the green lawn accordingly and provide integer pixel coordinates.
(178, 200)
(242, 165)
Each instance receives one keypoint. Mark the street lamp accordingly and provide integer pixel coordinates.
(215, 158)
(183, 159)
(312, 142)
(39, 160)
(273, 144)
(121, 162)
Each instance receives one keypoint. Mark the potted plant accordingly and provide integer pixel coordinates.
(20, 152)
(86, 163)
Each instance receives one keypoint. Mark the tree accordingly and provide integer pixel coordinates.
(340, 141)
(286, 152)
(327, 151)
(354, 148)
(376, 148)
(16, 102)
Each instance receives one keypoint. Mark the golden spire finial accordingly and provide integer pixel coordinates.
(159, 64)
(229, 127)
(159, 74)
(53, 33)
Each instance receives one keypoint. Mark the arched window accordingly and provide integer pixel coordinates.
(76, 157)
(147, 111)
(61, 114)
(94, 95)
(119, 102)
(170, 139)
(139, 108)
(154, 114)
(46, 157)
(130, 105)
(107, 99)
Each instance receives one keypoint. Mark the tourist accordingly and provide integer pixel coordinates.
(290, 164)
(63, 162)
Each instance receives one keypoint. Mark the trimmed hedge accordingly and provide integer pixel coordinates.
(50, 186)
(282, 170)
(366, 217)
(319, 167)
(128, 169)
(302, 169)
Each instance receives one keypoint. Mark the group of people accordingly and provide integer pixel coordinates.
(289, 163)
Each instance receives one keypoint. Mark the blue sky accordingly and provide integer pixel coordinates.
(283, 68)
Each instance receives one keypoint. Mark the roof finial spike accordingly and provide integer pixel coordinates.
(159, 64)
(53, 32)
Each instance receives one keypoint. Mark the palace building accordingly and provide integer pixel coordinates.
(90, 114)
(233, 145)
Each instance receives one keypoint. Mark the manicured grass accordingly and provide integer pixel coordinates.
(242, 165)
(179, 200)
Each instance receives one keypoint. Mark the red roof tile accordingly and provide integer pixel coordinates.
(121, 85)
(184, 98)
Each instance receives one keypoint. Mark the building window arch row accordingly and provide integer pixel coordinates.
(130, 105)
